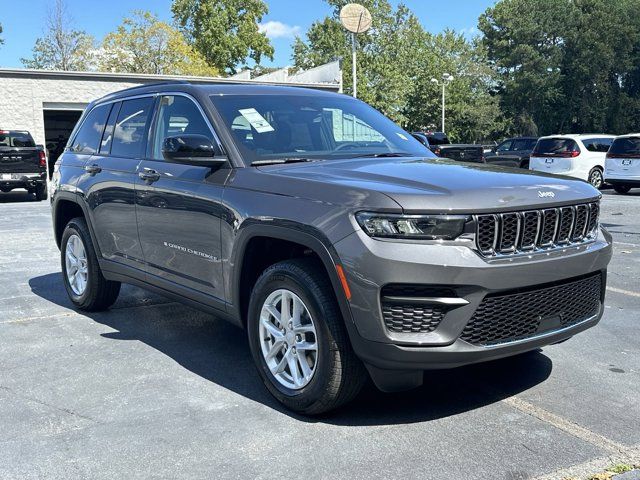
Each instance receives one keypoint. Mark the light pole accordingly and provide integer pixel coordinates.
(446, 78)
(356, 19)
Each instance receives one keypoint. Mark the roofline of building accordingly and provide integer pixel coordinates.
(144, 77)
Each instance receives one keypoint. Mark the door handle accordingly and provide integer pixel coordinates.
(149, 176)
(92, 169)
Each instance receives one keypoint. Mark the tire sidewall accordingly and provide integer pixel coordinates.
(73, 229)
(272, 280)
(591, 175)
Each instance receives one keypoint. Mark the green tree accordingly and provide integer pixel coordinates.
(567, 66)
(1, 39)
(396, 60)
(62, 47)
(472, 109)
(144, 44)
(225, 32)
(525, 42)
(387, 53)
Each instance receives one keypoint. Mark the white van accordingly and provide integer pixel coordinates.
(580, 156)
(622, 166)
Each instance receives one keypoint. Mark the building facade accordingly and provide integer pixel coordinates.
(49, 103)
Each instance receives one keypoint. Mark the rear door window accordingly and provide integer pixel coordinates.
(522, 144)
(556, 147)
(130, 128)
(504, 146)
(626, 147)
(87, 140)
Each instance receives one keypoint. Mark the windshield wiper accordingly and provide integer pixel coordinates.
(275, 161)
(384, 155)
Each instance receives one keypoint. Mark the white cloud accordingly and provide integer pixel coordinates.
(470, 32)
(274, 29)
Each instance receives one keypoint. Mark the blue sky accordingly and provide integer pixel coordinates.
(285, 19)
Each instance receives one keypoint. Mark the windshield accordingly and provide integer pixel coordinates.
(13, 138)
(271, 127)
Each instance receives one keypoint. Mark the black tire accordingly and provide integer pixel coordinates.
(339, 373)
(99, 293)
(595, 177)
(622, 189)
(41, 192)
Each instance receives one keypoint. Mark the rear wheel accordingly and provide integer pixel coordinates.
(86, 286)
(595, 177)
(622, 189)
(41, 192)
(299, 341)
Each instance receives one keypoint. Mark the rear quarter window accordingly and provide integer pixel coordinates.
(600, 145)
(88, 138)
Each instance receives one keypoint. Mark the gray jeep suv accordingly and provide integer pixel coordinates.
(341, 244)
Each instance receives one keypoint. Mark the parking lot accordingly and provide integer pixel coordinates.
(154, 389)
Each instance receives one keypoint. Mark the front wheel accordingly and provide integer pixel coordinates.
(622, 189)
(298, 339)
(86, 286)
(595, 178)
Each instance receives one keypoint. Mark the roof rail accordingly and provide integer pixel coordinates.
(146, 85)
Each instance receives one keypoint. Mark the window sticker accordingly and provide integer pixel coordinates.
(256, 120)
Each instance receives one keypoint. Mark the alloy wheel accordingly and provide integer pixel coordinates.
(288, 339)
(76, 265)
(595, 178)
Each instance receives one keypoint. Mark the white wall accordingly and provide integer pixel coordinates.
(21, 99)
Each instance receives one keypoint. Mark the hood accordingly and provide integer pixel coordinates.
(441, 185)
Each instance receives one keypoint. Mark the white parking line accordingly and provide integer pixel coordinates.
(624, 292)
(567, 426)
(592, 467)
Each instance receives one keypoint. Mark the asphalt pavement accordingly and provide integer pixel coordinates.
(154, 389)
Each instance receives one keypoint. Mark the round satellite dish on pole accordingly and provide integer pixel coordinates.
(355, 18)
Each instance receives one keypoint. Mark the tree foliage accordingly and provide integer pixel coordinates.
(144, 44)
(566, 65)
(1, 39)
(397, 58)
(61, 47)
(225, 32)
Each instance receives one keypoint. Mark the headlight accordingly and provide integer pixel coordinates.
(418, 227)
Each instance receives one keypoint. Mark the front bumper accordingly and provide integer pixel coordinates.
(371, 264)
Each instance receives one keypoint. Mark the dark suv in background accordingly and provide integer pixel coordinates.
(513, 152)
(340, 243)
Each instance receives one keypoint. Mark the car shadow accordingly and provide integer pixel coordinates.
(16, 196)
(218, 352)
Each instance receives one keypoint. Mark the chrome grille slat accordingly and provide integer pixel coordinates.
(528, 231)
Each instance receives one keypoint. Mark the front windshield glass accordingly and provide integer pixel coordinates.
(274, 127)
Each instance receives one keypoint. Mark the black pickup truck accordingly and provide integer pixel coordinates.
(439, 144)
(23, 164)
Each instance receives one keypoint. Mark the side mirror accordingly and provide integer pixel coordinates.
(192, 150)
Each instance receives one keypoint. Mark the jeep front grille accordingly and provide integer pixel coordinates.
(516, 315)
(527, 231)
